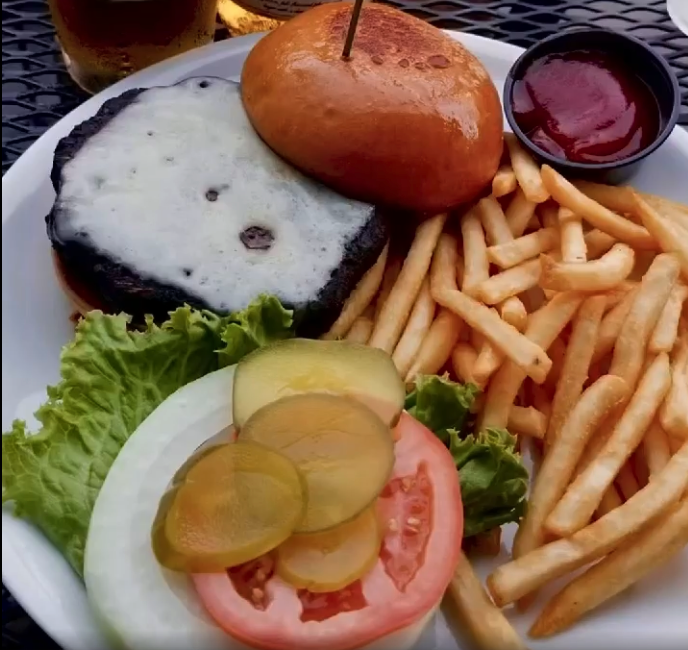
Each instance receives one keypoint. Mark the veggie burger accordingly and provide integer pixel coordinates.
(214, 470)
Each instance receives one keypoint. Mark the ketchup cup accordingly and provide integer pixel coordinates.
(592, 103)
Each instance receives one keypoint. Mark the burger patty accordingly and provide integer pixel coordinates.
(167, 196)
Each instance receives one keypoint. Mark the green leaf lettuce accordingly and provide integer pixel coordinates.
(112, 378)
(493, 479)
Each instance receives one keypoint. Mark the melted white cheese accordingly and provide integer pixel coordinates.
(138, 190)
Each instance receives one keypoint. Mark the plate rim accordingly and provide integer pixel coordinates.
(15, 187)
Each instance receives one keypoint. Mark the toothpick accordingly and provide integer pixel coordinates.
(355, 14)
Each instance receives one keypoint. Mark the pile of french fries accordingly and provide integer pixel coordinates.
(565, 303)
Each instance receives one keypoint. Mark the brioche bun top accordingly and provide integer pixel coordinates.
(410, 120)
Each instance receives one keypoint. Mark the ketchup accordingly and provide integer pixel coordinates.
(585, 106)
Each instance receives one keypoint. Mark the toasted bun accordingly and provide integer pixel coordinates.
(411, 120)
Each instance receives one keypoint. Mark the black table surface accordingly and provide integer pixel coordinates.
(37, 92)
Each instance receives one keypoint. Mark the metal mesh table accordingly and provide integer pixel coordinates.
(37, 92)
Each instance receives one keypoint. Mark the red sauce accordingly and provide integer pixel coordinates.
(585, 106)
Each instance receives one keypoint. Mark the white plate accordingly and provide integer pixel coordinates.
(35, 325)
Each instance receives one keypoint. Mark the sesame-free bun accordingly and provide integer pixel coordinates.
(411, 120)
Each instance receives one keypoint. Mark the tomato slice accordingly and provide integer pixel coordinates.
(421, 507)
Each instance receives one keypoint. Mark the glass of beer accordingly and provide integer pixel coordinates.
(103, 41)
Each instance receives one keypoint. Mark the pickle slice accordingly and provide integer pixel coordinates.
(237, 502)
(343, 450)
(332, 559)
(305, 365)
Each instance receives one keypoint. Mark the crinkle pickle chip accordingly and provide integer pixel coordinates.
(237, 502)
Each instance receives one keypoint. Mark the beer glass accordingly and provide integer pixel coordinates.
(103, 41)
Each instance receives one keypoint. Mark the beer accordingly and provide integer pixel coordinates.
(279, 9)
(105, 40)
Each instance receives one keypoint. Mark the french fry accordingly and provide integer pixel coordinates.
(576, 363)
(651, 548)
(616, 198)
(573, 246)
(594, 213)
(513, 311)
(673, 414)
(527, 421)
(631, 344)
(476, 264)
(666, 331)
(543, 327)
(527, 170)
(556, 352)
(656, 448)
(527, 355)
(487, 624)
(509, 283)
(360, 331)
(437, 345)
(444, 263)
(494, 222)
(541, 401)
(597, 243)
(459, 270)
(533, 299)
(560, 461)
(504, 181)
(396, 309)
(519, 577)
(598, 275)
(419, 322)
(489, 359)
(611, 325)
(360, 297)
(524, 248)
(463, 359)
(388, 280)
(583, 496)
(519, 213)
(626, 480)
(672, 210)
(665, 232)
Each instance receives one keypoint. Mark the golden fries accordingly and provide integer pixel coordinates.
(599, 275)
(560, 461)
(666, 331)
(519, 213)
(509, 283)
(496, 228)
(543, 327)
(597, 243)
(523, 352)
(618, 199)
(476, 267)
(665, 232)
(573, 246)
(437, 345)
(444, 263)
(417, 327)
(527, 421)
(486, 623)
(360, 331)
(656, 448)
(360, 297)
(396, 309)
(388, 280)
(566, 194)
(524, 248)
(630, 346)
(654, 546)
(584, 495)
(526, 170)
(520, 577)
(611, 325)
(463, 359)
(673, 414)
(513, 311)
(504, 181)
(576, 364)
